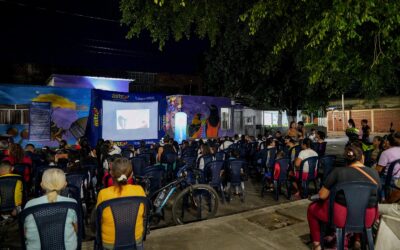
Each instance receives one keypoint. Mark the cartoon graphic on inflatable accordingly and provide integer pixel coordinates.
(213, 122)
(195, 128)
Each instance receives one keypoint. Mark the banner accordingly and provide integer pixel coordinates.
(40, 118)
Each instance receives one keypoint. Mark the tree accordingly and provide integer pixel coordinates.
(281, 53)
(344, 41)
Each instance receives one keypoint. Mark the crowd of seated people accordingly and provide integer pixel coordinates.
(113, 175)
(387, 158)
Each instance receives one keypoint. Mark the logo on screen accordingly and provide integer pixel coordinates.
(119, 96)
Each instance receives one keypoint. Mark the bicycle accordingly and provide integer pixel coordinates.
(195, 202)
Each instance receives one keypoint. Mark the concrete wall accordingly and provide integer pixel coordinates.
(378, 119)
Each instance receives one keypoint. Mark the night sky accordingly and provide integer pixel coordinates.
(86, 34)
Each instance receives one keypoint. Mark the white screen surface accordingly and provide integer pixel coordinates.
(132, 118)
(124, 121)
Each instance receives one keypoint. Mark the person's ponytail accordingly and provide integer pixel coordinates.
(352, 154)
(52, 196)
(121, 170)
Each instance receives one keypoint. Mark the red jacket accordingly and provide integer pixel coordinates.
(108, 180)
(25, 160)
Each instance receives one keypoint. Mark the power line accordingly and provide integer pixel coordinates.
(19, 4)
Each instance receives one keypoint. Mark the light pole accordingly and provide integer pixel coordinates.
(343, 113)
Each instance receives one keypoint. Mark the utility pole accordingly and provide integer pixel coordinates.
(343, 113)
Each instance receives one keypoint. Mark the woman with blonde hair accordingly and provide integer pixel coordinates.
(53, 181)
(121, 171)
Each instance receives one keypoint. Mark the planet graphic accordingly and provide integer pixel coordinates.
(24, 134)
(12, 131)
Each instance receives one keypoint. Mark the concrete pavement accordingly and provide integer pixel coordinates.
(282, 226)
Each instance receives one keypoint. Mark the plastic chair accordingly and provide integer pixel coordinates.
(157, 178)
(280, 146)
(125, 213)
(62, 164)
(357, 196)
(326, 164)
(50, 222)
(138, 164)
(283, 178)
(170, 159)
(266, 159)
(206, 159)
(7, 203)
(252, 151)
(126, 153)
(311, 176)
(388, 178)
(189, 153)
(91, 170)
(296, 149)
(22, 169)
(368, 162)
(77, 180)
(235, 167)
(7, 192)
(189, 161)
(220, 156)
(212, 172)
(243, 150)
(148, 157)
(285, 150)
(72, 191)
(193, 175)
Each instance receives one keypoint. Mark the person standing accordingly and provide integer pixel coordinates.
(352, 131)
(365, 131)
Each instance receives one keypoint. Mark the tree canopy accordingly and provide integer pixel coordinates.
(285, 54)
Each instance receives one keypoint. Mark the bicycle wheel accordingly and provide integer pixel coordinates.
(194, 203)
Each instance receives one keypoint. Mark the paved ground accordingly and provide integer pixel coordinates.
(275, 227)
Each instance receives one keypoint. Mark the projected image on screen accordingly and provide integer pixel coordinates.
(133, 119)
(129, 120)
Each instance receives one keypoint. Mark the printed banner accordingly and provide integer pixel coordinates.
(40, 118)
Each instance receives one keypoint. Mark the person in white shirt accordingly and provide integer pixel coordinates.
(305, 153)
(313, 135)
(113, 149)
(227, 142)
